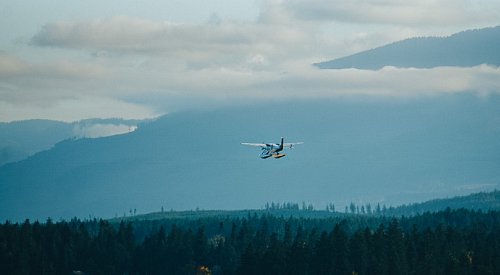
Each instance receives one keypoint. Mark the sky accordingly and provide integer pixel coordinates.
(71, 60)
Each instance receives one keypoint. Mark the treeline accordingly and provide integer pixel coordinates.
(447, 242)
(484, 201)
(478, 201)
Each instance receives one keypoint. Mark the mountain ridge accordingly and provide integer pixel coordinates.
(482, 201)
(356, 150)
(21, 139)
(464, 49)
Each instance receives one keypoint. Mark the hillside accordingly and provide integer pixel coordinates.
(21, 139)
(18, 140)
(484, 201)
(392, 152)
(464, 49)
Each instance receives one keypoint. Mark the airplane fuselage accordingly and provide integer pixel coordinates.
(272, 150)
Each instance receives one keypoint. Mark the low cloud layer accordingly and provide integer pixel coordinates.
(123, 66)
(101, 130)
(409, 13)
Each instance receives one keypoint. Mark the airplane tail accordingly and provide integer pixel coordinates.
(281, 145)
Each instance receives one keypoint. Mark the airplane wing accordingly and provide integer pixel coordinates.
(291, 144)
(254, 144)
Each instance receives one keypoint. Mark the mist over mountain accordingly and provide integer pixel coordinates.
(464, 49)
(363, 150)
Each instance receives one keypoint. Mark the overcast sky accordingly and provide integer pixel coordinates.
(69, 60)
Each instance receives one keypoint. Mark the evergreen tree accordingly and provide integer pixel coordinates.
(359, 253)
(446, 242)
(340, 246)
(396, 250)
(352, 207)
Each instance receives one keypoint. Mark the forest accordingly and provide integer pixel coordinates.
(446, 242)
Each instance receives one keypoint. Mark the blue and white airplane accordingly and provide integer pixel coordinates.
(272, 149)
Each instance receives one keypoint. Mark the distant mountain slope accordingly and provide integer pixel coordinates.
(201, 214)
(464, 49)
(478, 201)
(483, 201)
(21, 139)
(391, 151)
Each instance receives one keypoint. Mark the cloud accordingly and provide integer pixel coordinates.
(10, 66)
(130, 67)
(74, 109)
(23, 81)
(193, 44)
(411, 13)
(309, 82)
(73, 89)
(101, 130)
(123, 33)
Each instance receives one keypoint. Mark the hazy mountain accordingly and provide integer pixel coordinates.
(20, 139)
(464, 49)
(483, 201)
(388, 151)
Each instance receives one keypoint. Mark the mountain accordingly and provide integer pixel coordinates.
(363, 150)
(464, 49)
(21, 139)
(484, 201)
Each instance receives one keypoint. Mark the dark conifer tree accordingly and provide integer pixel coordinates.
(359, 253)
(396, 250)
(340, 246)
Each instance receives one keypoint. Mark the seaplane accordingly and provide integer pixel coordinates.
(273, 149)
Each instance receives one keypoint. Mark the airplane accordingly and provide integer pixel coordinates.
(272, 149)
